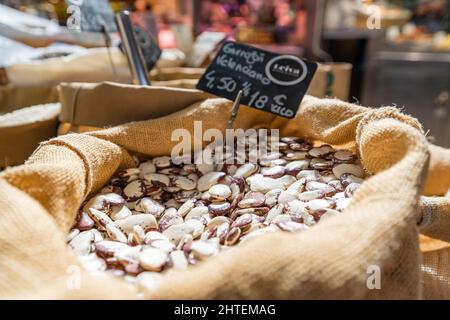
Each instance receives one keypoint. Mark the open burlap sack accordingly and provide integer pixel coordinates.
(331, 80)
(335, 259)
(21, 132)
(89, 106)
(181, 83)
(435, 268)
(13, 98)
(92, 65)
(435, 223)
(176, 73)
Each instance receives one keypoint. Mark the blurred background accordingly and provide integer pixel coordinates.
(381, 53)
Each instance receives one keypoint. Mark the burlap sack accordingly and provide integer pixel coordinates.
(435, 268)
(435, 223)
(21, 132)
(87, 107)
(39, 202)
(94, 65)
(14, 98)
(330, 80)
(181, 83)
(176, 73)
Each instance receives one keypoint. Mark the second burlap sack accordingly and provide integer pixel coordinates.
(376, 236)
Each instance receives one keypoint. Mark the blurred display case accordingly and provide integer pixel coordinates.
(418, 82)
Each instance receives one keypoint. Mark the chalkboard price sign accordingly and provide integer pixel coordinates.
(150, 49)
(270, 82)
